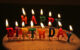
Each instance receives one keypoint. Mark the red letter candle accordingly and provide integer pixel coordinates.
(10, 31)
(50, 18)
(60, 31)
(24, 17)
(33, 17)
(41, 31)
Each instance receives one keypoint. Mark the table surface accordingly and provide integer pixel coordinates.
(43, 44)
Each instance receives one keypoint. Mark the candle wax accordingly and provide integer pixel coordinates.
(51, 19)
(34, 19)
(51, 32)
(60, 32)
(41, 32)
(16, 28)
(32, 32)
(42, 18)
(69, 35)
(24, 19)
(10, 32)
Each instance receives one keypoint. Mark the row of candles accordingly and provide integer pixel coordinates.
(22, 31)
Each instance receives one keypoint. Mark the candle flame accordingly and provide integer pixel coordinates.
(59, 23)
(42, 25)
(50, 14)
(32, 24)
(7, 24)
(23, 11)
(23, 24)
(70, 27)
(41, 12)
(16, 23)
(49, 23)
(32, 11)
(59, 16)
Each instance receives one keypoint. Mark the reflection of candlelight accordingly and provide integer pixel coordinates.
(49, 23)
(31, 24)
(59, 23)
(41, 12)
(59, 16)
(32, 12)
(16, 23)
(50, 14)
(7, 24)
(42, 25)
(23, 11)
(70, 27)
(23, 24)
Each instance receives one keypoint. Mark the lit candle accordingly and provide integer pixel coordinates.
(32, 29)
(60, 31)
(10, 31)
(51, 34)
(58, 19)
(24, 17)
(50, 18)
(69, 33)
(42, 18)
(16, 28)
(24, 30)
(41, 31)
(33, 17)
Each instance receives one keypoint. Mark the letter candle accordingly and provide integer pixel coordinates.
(32, 29)
(24, 17)
(60, 31)
(51, 34)
(10, 32)
(16, 28)
(69, 33)
(59, 18)
(50, 18)
(33, 17)
(41, 31)
(24, 30)
(42, 17)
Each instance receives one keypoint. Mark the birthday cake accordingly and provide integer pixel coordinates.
(39, 37)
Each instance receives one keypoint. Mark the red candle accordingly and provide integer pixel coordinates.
(50, 19)
(33, 17)
(60, 31)
(10, 31)
(24, 17)
(41, 31)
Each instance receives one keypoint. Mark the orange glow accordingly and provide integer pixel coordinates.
(31, 24)
(49, 23)
(50, 14)
(70, 27)
(7, 24)
(16, 23)
(42, 25)
(23, 11)
(59, 23)
(41, 12)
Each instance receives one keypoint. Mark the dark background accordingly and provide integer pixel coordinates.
(69, 10)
